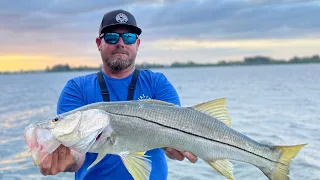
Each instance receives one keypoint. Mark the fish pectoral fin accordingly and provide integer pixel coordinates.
(137, 163)
(223, 166)
(98, 159)
(215, 108)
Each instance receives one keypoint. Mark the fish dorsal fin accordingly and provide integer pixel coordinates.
(215, 108)
(137, 163)
(155, 101)
(223, 166)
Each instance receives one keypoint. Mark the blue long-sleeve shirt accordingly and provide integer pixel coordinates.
(84, 90)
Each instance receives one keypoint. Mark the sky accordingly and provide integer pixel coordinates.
(35, 34)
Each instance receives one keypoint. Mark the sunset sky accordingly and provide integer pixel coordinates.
(35, 34)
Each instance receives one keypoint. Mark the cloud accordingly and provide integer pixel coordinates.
(222, 16)
(67, 28)
(236, 19)
(215, 18)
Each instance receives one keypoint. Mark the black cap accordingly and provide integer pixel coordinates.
(119, 18)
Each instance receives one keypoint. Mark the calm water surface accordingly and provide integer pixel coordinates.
(271, 104)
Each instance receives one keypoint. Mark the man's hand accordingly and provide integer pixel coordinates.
(60, 160)
(178, 155)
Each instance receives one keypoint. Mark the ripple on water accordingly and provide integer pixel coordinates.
(14, 162)
(278, 104)
(15, 119)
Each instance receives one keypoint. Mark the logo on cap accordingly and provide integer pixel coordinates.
(121, 18)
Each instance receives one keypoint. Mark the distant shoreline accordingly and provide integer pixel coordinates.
(248, 61)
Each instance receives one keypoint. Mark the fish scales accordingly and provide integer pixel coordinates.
(182, 121)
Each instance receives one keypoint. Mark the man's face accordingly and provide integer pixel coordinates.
(118, 56)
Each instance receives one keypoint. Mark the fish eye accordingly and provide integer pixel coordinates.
(55, 119)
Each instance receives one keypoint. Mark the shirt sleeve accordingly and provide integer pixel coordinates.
(71, 97)
(165, 91)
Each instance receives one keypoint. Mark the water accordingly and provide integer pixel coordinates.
(272, 104)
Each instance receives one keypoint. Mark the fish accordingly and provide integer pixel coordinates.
(130, 128)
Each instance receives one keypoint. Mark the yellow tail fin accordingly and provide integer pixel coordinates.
(281, 169)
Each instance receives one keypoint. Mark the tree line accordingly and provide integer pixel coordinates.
(256, 60)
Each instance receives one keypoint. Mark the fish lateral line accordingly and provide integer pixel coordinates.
(190, 133)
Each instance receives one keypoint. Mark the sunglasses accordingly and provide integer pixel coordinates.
(113, 38)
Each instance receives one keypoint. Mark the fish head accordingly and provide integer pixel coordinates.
(93, 122)
(42, 135)
(77, 130)
(71, 127)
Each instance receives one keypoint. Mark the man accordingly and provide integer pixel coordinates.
(118, 43)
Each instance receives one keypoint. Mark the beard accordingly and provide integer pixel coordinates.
(118, 62)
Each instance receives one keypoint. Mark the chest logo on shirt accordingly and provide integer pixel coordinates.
(144, 97)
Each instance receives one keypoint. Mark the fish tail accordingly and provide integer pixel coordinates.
(281, 169)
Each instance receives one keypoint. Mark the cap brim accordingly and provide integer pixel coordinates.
(134, 29)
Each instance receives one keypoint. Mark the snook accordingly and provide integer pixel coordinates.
(204, 129)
